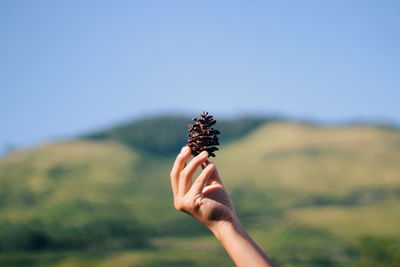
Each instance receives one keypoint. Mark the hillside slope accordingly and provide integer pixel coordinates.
(309, 190)
(308, 170)
(315, 159)
(51, 193)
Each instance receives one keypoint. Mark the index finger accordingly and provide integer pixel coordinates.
(179, 164)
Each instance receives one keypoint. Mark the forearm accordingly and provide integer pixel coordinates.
(239, 245)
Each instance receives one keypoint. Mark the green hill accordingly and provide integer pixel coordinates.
(350, 169)
(54, 192)
(311, 196)
(163, 135)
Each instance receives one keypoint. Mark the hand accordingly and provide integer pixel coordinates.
(206, 198)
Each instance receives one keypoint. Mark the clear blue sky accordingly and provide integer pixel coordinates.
(67, 66)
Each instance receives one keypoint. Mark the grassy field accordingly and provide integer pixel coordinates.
(310, 196)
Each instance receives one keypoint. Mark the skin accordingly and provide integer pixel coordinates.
(208, 202)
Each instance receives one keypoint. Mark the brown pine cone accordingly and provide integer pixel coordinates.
(201, 136)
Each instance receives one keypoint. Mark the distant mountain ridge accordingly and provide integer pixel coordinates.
(164, 135)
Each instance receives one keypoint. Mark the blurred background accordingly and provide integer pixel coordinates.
(95, 98)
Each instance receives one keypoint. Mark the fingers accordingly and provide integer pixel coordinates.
(202, 180)
(209, 188)
(185, 179)
(179, 165)
(205, 163)
(215, 178)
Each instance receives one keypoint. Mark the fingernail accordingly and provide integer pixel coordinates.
(184, 149)
(203, 154)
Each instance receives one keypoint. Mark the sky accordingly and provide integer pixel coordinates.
(69, 67)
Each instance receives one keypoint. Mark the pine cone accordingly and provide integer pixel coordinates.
(201, 136)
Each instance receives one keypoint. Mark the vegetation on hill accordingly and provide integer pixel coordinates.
(311, 196)
(61, 196)
(164, 135)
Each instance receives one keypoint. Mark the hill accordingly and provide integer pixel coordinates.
(312, 196)
(320, 167)
(49, 194)
(164, 135)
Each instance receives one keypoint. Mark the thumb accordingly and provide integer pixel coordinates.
(202, 180)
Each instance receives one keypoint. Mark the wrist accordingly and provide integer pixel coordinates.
(222, 228)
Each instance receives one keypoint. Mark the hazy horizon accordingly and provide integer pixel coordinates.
(188, 114)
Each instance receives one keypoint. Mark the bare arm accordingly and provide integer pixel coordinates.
(207, 200)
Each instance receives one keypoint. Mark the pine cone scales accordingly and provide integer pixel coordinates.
(201, 136)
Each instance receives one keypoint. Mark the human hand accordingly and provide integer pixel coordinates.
(206, 198)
